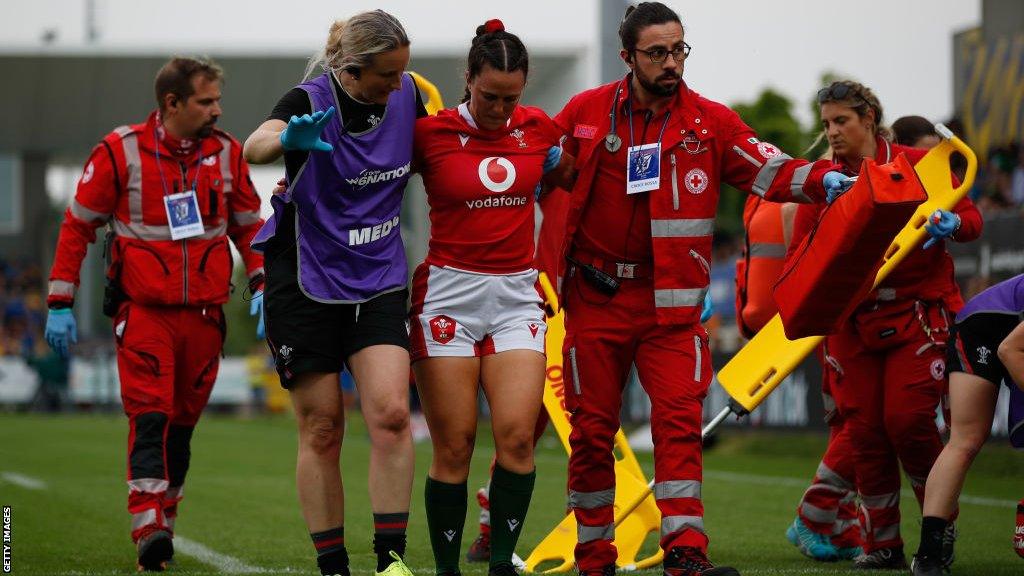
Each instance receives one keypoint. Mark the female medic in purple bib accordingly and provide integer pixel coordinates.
(336, 273)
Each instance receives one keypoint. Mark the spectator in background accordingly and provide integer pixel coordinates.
(992, 188)
(1017, 178)
(916, 132)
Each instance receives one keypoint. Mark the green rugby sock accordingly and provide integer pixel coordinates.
(510, 499)
(446, 516)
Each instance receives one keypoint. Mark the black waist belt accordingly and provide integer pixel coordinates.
(621, 270)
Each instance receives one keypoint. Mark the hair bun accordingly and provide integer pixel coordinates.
(490, 27)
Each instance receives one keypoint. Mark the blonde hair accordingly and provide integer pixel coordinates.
(860, 99)
(352, 43)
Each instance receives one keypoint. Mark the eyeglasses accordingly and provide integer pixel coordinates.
(837, 91)
(658, 55)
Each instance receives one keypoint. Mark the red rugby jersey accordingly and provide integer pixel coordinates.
(480, 186)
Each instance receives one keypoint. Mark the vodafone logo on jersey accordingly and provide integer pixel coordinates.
(497, 174)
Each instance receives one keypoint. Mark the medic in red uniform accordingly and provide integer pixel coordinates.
(887, 363)
(651, 154)
(172, 189)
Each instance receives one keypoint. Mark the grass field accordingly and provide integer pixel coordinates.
(63, 478)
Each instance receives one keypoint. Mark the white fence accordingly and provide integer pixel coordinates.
(93, 380)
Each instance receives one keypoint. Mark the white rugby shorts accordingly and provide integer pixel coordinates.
(461, 313)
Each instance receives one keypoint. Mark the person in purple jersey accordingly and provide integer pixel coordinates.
(986, 348)
(336, 290)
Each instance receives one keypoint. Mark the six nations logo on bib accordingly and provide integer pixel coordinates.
(696, 181)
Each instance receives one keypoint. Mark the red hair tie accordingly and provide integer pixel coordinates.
(492, 26)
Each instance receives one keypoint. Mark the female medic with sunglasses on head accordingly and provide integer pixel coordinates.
(886, 365)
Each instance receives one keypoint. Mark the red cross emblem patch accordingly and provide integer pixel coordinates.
(767, 150)
(696, 181)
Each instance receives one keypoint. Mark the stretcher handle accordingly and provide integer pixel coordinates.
(909, 238)
(550, 295)
(434, 103)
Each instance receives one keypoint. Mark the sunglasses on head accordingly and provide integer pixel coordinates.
(837, 91)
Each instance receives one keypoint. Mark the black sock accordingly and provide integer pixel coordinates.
(331, 556)
(932, 529)
(510, 499)
(446, 517)
(389, 536)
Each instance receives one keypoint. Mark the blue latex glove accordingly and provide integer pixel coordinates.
(835, 183)
(709, 308)
(303, 132)
(941, 224)
(61, 328)
(256, 307)
(553, 158)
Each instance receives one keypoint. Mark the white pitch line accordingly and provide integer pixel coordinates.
(27, 482)
(222, 562)
(805, 482)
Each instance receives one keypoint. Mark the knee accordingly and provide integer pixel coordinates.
(390, 423)
(591, 430)
(321, 433)
(453, 453)
(516, 446)
(967, 443)
(911, 426)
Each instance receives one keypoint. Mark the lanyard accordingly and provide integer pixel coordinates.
(629, 115)
(199, 165)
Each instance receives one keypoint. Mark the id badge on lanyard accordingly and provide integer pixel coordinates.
(643, 168)
(643, 162)
(183, 215)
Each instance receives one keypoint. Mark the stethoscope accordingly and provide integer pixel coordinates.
(612, 141)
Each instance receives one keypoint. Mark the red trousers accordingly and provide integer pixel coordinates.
(887, 389)
(829, 506)
(604, 337)
(167, 361)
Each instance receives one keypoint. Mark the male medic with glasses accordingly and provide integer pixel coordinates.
(650, 156)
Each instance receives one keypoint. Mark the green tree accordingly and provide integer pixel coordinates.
(771, 117)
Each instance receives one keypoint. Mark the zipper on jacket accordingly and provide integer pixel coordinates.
(184, 242)
(703, 263)
(575, 372)
(675, 183)
(698, 357)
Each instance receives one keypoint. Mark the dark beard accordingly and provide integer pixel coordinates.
(205, 131)
(657, 89)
